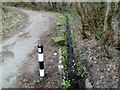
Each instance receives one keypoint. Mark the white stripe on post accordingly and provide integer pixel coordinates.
(41, 60)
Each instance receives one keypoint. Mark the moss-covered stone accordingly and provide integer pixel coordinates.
(58, 41)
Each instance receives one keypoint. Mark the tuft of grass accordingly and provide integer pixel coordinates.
(78, 63)
(66, 84)
(36, 81)
(80, 68)
(64, 54)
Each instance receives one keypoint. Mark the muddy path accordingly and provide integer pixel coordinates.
(17, 46)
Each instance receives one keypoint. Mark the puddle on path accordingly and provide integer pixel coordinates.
(8, 46)
(7, 54)
(24, 35)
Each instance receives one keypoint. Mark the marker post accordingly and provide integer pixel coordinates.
(41, 60)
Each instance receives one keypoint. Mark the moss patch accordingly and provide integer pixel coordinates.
(59, 41)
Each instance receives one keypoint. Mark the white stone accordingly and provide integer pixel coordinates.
(55, 54)
(60, 68)
(88, 84)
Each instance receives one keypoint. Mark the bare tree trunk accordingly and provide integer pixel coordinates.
(82, 21)
(105, 28)
(90, 16)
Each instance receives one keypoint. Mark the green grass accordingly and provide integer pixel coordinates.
(80, 68)
(64, 54)
(61, 19)
(65, 84)
(11, 18)
(36, 81)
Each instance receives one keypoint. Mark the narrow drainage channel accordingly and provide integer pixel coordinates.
(74, 80)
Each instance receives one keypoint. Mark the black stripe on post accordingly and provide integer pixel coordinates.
(41, 47)
(41, 65)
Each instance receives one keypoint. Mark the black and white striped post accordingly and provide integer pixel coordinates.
(41, 60)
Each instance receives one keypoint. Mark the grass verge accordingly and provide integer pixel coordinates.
(11, 18)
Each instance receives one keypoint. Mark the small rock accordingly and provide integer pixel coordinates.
(95, 62)
(88, 84)
(59, 24)
(110, 65)
(101, 69)
(60, 69)
(55, 54)
(93, 45)
(101, 77)
(108, 69)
